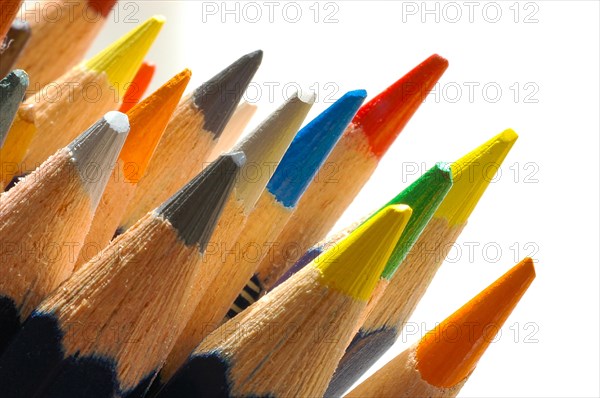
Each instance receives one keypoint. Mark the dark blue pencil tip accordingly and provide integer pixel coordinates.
(310, 148)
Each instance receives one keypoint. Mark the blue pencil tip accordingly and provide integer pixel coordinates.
(310, 148)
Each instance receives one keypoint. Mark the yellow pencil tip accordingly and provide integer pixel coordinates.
(472, 174)
(354, 266)
(121, 60)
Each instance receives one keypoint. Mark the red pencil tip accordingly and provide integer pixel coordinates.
(102, 6)
(137, 88)
(383, 118)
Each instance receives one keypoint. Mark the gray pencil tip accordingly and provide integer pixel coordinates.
(195, 209)
(95, 152)
(12, 91)
(218, 98)
(265, 146)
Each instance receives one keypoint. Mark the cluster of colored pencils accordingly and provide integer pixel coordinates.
(149, 251)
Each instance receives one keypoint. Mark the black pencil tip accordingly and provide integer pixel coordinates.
(218, 98)
(195, 209)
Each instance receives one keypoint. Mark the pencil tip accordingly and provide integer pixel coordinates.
(14, 42)
(445, 362)
(12, 90)
(472, 174)
(219, 96)
(139, 85)
(103, 7)
(265, 146)
(383, 118)
(354, 266)
(310, 148)
(195, 209)
(424, 197)
(122, 59)
(148, 121)
(95, 152)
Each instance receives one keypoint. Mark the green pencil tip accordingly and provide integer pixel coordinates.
(423, 196)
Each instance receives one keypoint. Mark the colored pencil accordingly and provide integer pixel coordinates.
(233, 130)
(137, 88)
(71, 102)
(12, 90)
(263, 148)
(348, 167)
(45, 217)
(17, 37)
(383, 325)
(133, 299)
(8, 12)
(288, 343)
(297, 169)
(423, 196)
(438, 365)
(61, 33)
(12, 146)
(147, 122)
(191, 135)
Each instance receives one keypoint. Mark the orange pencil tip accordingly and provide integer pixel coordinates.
(148, 120)
(449, 353)
(383, 118)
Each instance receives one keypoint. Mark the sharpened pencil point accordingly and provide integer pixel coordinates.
(121, 60)
(195, 209)
(445, 361)
(219, 96)
(423, 196)
(15, 41)
(103, 7)
(266, 145)
(137, 88)
(354, 266)
(472, 174)
(95, 152)
(12, 90)
(148, 120)
(310, 148)
(384, 117)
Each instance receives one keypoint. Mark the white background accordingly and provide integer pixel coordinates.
(550, 205)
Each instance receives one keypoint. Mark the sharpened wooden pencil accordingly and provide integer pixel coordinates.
(423, 196)
(12, 90)
(61, 33)
(297, 169)
(83, 94)
(348, 167)
(264, 148)
(383, 325)
(138, 86)
(233, 130)
(148, 120)
(17, 37)
(439, 365)
(45, 217)
(132, 301)
(288, 343)
(191, 135)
